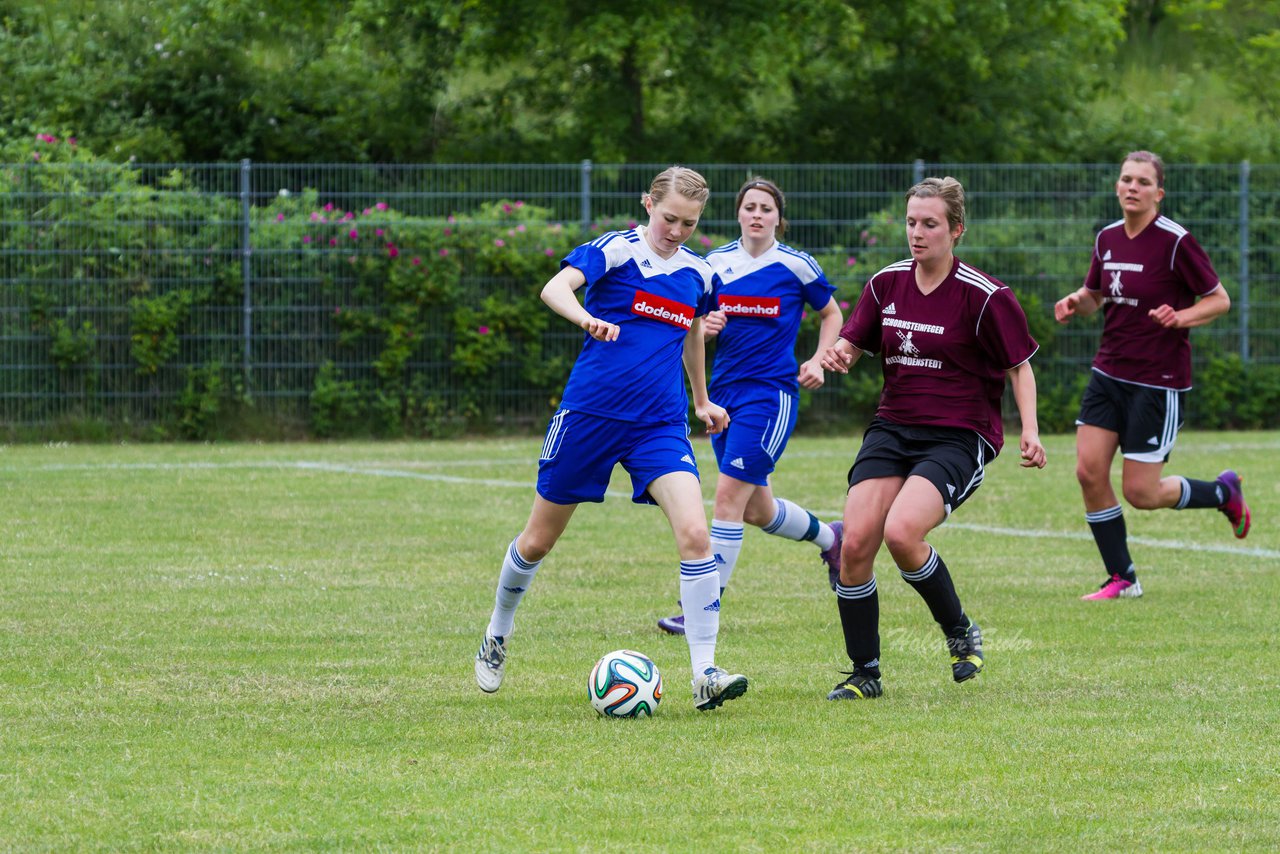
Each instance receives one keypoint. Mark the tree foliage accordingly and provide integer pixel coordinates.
(718, 80)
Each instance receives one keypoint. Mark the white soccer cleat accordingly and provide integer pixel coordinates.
(714, 686)
(491, 661)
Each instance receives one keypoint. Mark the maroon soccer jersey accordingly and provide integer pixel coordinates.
(944, 355)
(1162, 265)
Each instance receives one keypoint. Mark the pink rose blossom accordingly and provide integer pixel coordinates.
(864, 235)
(379, 232)
(350, 216)
(35, 155)
(367, 211)
(328, 207)
(279, 217)
(549, 252)
(333, 241)
(519, 204)
(499, 242)
(354, 234)
(844, 305)
(444, 252)
(631, 223)
(851, 261)
(71, 141)
(315, 217)
(415, 261)
(448, 231)
(392, 251)
(521, 227)
(506, 208)
(452, 219)
(872, 240)
(483, 330)
(803, 315)
(382, 206)
(306, 238)
(705, 241)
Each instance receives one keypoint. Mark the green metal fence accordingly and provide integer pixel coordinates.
(120, 284)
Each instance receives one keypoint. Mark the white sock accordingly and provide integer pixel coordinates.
(726, 544)
(792, 521)
(513, 581)
(700, 597)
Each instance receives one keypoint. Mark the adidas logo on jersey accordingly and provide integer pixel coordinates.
(1107, 257)
(645, 263)
(729, 271)
(738, 463)
(687, 459)
(891, 308)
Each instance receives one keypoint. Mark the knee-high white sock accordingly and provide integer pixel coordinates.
(700, 597)
(792, 521)
(726, 545)
(514, 580)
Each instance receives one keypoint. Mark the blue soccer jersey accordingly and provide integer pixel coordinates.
(763, 299)
(653, 301)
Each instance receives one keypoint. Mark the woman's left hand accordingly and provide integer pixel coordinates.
(713, 415)
(811, 374)
(1032, 451)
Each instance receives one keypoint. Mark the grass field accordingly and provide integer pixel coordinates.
(253, 647)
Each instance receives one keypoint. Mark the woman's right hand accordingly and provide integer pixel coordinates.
(600, 330)
(1065, 308)
(712, 323)
(836, 359)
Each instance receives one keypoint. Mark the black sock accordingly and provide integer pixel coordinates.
(860, 619)
(1197, 494)
(1112, 539)
(933, 583)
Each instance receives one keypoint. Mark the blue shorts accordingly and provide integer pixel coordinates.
(580, 451)
(761, 419)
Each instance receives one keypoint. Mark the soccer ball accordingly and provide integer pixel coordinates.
(624, 684)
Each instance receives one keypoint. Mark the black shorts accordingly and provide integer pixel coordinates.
(1147, 419)
(950, 458)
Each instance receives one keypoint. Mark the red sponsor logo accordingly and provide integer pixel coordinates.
(751, 306)
(660, 308)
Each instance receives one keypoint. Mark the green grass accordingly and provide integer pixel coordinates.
(256, 647)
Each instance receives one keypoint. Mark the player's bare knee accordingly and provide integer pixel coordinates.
(1143, 497)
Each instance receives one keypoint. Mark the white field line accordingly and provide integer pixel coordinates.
(371, 471)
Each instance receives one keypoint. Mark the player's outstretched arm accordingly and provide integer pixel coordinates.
(1081, 302)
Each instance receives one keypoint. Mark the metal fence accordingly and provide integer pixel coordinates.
(90, 251)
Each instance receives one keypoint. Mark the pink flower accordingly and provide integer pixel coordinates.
(803, 315)
(499, 242)
(872, 240)
(328, 207)
(704, 240)
(483, 330)
(279, 217)
(444, 252)
(521, 227)
(337, 310)
(354, 234)
(382, 206)
(851, 261)
(315, 217)
(511, 232)
(519, 204)
(367, 211)
(350, 216)
(333, 241)
(631, 223)
(379, 232)
(864, 235)
(452, 219)
(549, 252)
(448, 231)
(392, 251)
(506, 208)
(35, 155)
(844, 305)
(415, 261)
(306, 238)
(71, 141)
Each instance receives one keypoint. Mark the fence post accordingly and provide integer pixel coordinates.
(917, 171)
(1244, 261)
(585, 193)
(246, 274)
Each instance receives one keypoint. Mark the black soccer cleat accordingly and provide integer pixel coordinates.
(966, 653)
(857, 685)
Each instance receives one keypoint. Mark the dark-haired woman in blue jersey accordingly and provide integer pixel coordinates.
(762, 287)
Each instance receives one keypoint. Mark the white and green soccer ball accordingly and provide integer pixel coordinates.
(625, 684)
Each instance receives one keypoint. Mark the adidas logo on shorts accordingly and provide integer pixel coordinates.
(738, 463)
(687, 459)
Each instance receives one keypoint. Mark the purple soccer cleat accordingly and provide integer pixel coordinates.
(831, 557)
(1235, 508)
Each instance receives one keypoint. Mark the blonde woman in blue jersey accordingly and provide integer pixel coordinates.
(625, 403)
(762, 288)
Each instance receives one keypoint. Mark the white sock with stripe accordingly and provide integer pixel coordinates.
(514, 580)
(793, 522)
(700, 598)
(726, 545)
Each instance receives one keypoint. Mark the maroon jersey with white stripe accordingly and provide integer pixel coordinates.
(944, 355)
(1162, 265)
